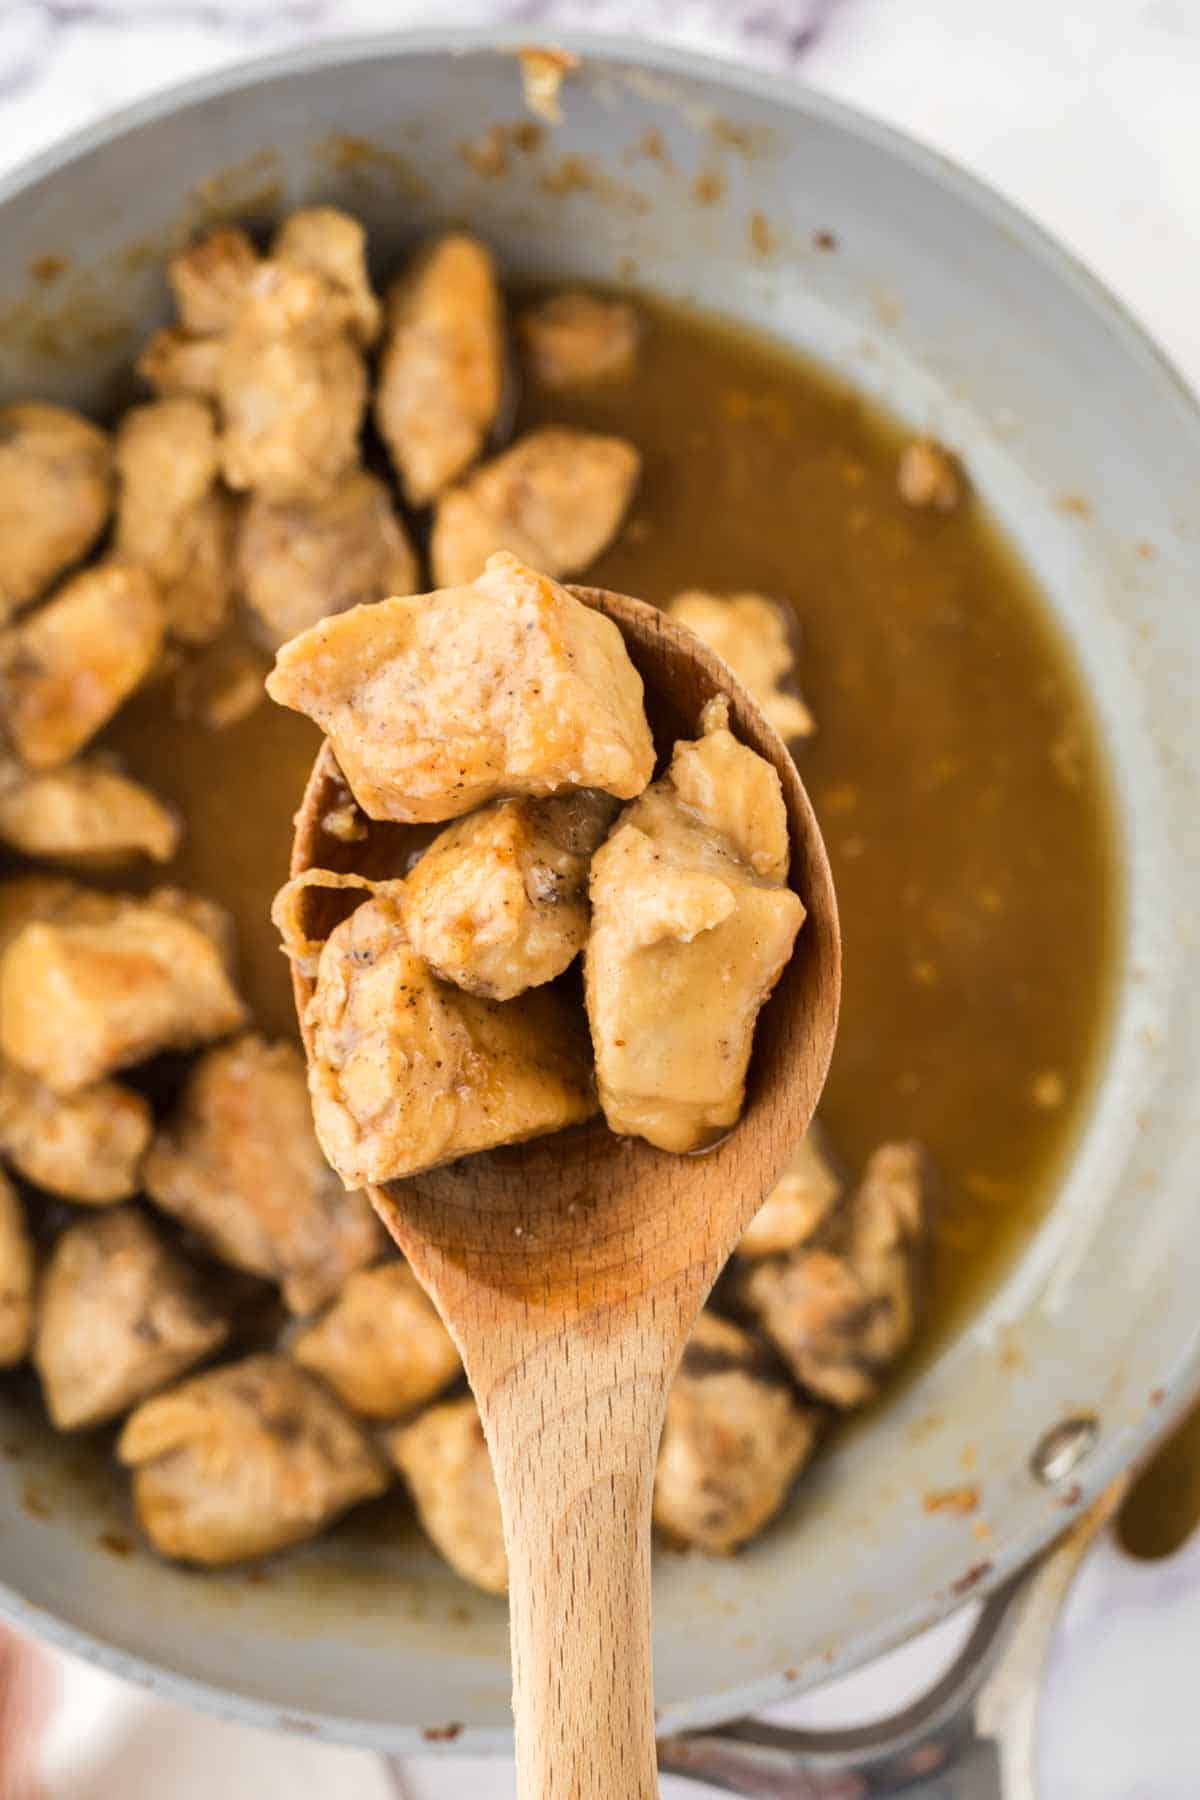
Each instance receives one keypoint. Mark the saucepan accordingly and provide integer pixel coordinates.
(966, 320)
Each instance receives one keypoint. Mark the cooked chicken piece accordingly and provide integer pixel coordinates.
(55, 495)
(498, 902)
(329, 243)
(82, 996)
(577, 337)
(17, 1277)
(436, 704)
(407, 1073)
(799, 1203)
(66, 668)
(298, 564)
(381, 1346)
(119, 1316)
(244, 1460)
(293, 387)
(444, 1459)
(239, 1164)
(734, 1441)
(86, 1147)
(751, 634)
(441, 374)
(221, 686)
(84, 813)
(840, 1312)
(555, 500)
(929, 476)
(25, 899)
(692, 924)
(174, 363)
(211, 280)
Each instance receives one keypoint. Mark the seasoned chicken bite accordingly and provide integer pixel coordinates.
(444, 1460)
(734, 1440)
(555, 500)
(407, 1073)
(84, 813)
(441, 373)
(244, 1460)
(498, 902)
(211, 279)
(380, 1346)
(66, 668)
(437, 703)
(750, 632)
(26, 899)
(119, 1316)
(17, 1277)
(239, 1163)
(576, 337)
(329, 243)
(81, 996)
(799, 1203)
(692, 924)
(841, 1311)
(299, 563)
(87, 1147)
(293, 386)
(174, 364)
(55, 495)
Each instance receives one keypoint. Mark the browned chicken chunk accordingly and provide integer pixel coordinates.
(211, 280)
(437, 703)
(692, 924)
(173, 363)
(555, 500)
(81, 996)
(55, 495)
(576, 337)
(751, 633)
(119, 1316)
(244, 1460)
(329, 243)
(240, 1165)
(441, 374)
(18, 1273)
(928, 476)
(407, 1073)
(734, 1441)
(297, 564)
(841, 1311)
(799, 1203)
(444, 1459)
(293, 387)
(66, 668)
(87, 1147)
(381, 1346)
(498, 902)
(84, 813)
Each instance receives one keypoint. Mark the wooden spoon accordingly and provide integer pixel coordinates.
(570, 1270)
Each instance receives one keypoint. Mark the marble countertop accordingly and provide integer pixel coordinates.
(1085, 113)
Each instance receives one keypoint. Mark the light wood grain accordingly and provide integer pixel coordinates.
(570, 1271)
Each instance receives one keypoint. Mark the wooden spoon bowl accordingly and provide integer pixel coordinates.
(570, 1271)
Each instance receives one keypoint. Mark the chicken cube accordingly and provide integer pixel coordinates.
(444, 1459)
(239, 1164)
(83, 996)
(66, 668)
(555, 500)
(55, 496)
(750, 633)
(299, 563)
(841, 1311)
(799, 1203)
(692, 925)
(18, 1274)
(84, 813)
(244, 1460)
(436, 704)
(576, 337)
(407, 1073)
(87, 1147)
(498, 902)
(381, 1346)
(211, 280)
(293, 387)
(120, 1315)
(929, 476)
(173, 363)
(441, 373)
(329, 243)
(734, 1440)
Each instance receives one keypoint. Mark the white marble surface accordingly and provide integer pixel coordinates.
(1083, 111)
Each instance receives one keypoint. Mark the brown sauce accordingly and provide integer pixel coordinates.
(1162, 1508)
